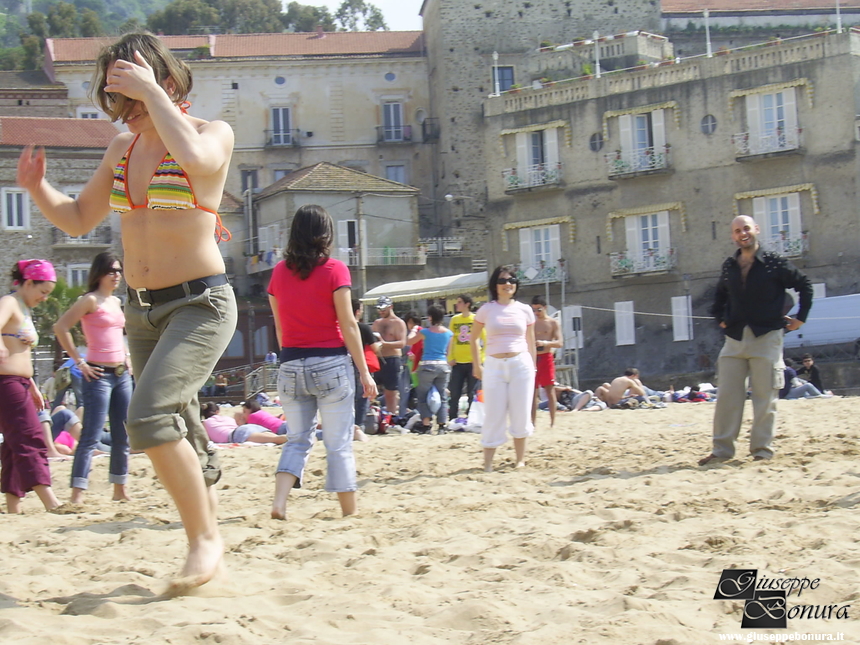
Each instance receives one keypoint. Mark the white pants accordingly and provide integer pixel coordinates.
(508, 385)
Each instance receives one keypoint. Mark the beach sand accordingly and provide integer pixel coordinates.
(611, 534)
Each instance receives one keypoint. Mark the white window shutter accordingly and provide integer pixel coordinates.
(526, 256)
(573, 338)
(663, 231)
(625, 331)
(753, 103)
(343, 238)
(550, 142)
(634, 247)
(554, 244)
(363, 241)
(523, 151)
(263, 238)
(681, 327)
(658, 130)
(795, 227)
(789, 102)
(625, 132)
(760, 212)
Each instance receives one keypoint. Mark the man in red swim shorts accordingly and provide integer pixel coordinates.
(547, 338)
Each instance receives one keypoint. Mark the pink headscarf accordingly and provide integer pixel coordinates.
(37, 270)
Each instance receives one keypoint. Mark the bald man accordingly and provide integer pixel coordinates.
(750, 307)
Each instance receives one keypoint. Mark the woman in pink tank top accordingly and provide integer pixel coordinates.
(107, 380)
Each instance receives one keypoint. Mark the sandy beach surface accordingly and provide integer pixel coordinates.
(611, 534)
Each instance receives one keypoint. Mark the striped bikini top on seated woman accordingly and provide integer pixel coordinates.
(169, 189)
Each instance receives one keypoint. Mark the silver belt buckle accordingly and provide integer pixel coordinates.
(119, 370)
(140, 300)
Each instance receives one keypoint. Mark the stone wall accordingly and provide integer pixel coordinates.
(461, 37)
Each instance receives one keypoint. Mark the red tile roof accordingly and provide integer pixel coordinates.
(776, 6)
(56, 133)
(346, 43)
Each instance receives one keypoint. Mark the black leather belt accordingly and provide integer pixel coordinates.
(119, 370)
(151, 297)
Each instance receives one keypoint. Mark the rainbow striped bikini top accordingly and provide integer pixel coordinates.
(169, 189)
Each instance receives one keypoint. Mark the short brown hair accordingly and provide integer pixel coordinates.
(164, 65)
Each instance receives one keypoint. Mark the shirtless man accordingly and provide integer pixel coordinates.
(393, 332)
(547, 338)
(620, 388)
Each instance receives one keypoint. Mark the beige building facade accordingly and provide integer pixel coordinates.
(633, 180)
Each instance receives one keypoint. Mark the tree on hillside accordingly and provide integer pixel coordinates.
(358, 15)
(63, 20)
(32, 52)
(302, 17)
(251, 16)
(183, 17)
(38, 24)
(91, 24)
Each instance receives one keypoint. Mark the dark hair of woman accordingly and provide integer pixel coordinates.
(311, 236)
(209, 409)
(252, 405)
(494, 288)
(436, 313)
(164, 65)
(413, 317)
(101, 266)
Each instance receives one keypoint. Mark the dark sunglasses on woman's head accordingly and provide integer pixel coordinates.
(507, 281)
(114, 272)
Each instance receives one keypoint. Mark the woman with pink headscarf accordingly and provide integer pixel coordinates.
(23, 453)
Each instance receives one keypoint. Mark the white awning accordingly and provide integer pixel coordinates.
(442, 287)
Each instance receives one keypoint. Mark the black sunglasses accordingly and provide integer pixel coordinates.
(507, 281)
(114, 272)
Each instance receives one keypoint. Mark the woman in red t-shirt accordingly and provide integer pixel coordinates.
(311, 302)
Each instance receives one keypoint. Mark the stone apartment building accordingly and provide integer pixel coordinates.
(634, 178)
(74, 148)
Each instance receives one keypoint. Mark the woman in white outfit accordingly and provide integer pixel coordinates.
(509, 371)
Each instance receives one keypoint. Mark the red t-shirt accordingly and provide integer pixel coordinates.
(306, 307)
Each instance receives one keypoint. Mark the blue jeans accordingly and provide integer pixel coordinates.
(325, 384)
(429, 375)
(104, 397)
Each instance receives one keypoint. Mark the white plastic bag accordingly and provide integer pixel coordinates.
(434, 400)
(476, 417)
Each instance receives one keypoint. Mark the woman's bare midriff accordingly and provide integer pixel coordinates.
(506, 355)
(20, 361)
(157, 250)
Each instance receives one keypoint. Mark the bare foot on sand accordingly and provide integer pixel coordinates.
(202, 563)
(119, 494)
(520, 464)
(279, 513)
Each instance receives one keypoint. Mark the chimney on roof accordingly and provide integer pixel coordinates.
(320, 32)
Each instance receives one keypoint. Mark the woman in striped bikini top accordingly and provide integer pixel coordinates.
(169, 189)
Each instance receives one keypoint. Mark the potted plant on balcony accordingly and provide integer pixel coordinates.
(546, 82)
(515, 88)
(722, 51)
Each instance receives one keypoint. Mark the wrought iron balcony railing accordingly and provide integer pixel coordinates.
(777, 140)
(282, 138)
(652, 261)
(394, 134)
(789, 246)
(626, 162)
(541, 174)
(99, 236)
(385, 256)
(539, 275)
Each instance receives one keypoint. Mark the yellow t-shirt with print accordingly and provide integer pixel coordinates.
(461, 325)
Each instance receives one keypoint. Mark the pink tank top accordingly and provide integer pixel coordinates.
(103, 331)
